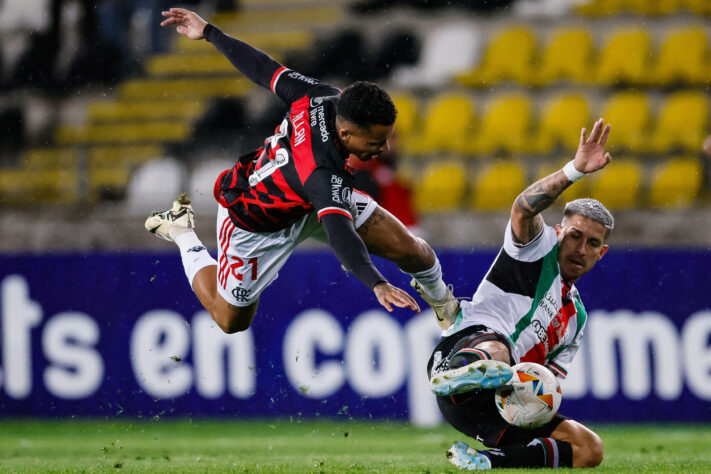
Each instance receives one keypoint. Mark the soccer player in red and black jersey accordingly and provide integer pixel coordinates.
(298, 185)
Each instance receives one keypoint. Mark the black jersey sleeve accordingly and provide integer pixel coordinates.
(258, 66)
(291, 86)
(350, 249)
(330, 192)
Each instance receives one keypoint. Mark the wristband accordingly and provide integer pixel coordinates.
(572, 172)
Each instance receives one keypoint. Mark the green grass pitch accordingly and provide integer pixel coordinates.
(292, 446)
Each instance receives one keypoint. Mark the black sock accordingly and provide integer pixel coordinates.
(540, 452)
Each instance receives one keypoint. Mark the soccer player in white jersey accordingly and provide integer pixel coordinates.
(526, 310)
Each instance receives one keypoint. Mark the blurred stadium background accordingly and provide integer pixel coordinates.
(103, 118)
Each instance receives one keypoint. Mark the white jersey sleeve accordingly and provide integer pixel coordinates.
(533, 250)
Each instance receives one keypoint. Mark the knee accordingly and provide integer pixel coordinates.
(231, 323)
(591, 452)
(412, 252)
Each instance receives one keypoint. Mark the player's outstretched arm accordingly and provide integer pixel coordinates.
(526, 221)
(258, 66)
(352, 253)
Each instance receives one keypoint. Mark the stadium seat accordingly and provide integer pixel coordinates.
(508, 57)
(442, 186)
(202, 181)
(683, 57)
(617, 186)
(447, 125)
(628, 113)
(682, 122)
(577, 190)
(145, 110)
(110, 167)
(624, 58)
(600, 7)
(407, 108)
(50, 158)
(497, 185)
(654, 7)
(179, 64)
(505, 125)
(676, 182)
(561, 120)
(271, 41)
(437, 65)
(144, 196)
(156, 132)
(567, 57)
(182, 89)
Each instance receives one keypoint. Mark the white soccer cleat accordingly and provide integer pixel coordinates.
(175, 221)
(446, 310)
(467, 458)
(478, 374)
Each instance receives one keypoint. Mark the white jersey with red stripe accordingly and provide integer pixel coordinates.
(525, 299)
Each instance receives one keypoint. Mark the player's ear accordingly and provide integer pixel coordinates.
(558, 229)
(603, 251)
(344, 134)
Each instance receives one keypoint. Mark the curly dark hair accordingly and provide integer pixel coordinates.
(364, 104)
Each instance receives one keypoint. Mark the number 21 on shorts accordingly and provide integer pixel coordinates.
(238, 263)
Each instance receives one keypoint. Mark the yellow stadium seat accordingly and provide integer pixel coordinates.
(497, 185)
(406, 105)
(676, 182)
(683, 57)
(145, 110)
(700, 7)
(447, 124)
(654, 7)
(442, 187)
(562, 119)
(156, 132)
(178, 64)
(50, 158)
(507, 57)
(682, 122)
(624, 58)
(628, 114)
(505, 125)
(617, 186)
(566, 57)
(575, 191)
(600, 7)
(182, 89)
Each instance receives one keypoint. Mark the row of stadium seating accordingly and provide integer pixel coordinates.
(643, 7)
(624, 184)
(627, 56)
(509, 122)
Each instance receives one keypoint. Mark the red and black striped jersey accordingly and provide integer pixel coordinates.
(300, 169)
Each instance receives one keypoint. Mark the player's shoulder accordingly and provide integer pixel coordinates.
(533, 250)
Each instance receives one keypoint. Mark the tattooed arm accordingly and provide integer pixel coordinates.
(526, 221)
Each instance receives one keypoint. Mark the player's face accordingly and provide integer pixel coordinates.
(581, 243)
(366, 143)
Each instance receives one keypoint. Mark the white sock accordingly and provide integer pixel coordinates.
(431, 281)
(194, 254)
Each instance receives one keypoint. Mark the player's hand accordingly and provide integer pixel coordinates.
(389, 295)
(188, 23)
(591, 155)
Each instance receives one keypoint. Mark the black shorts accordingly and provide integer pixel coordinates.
(474, 413)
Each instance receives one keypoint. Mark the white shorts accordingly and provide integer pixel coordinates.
(248, 262)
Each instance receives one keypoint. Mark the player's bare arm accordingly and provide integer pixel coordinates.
(526, 221)
(188, 23)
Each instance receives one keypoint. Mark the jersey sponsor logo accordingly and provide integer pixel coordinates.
(316, 101)
(336, 185)
(346, 195)
(241, 294)
(301, 77)
(197, 248)
(319, 117)
(299, 129)
(540, 331)
(280, 159)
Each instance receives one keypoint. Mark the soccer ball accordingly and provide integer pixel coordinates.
(531, 398)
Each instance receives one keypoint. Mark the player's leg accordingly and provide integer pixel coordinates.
(479, 359)
(385, 236)
(587, 445)
(177, 225)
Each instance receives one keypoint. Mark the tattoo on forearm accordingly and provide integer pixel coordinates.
(542, 194)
